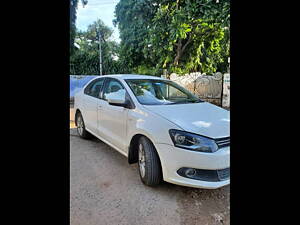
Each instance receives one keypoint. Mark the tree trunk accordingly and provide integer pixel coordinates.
(180, 50)
(178, 53)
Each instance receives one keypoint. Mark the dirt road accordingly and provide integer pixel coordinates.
(105, 189)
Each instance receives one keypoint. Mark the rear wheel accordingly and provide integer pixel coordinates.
(82, 132)
(149, 163)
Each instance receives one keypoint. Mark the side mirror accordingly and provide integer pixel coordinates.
(117, 98)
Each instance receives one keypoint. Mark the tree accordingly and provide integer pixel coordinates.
(85, 58)
(181, 36)
(133, 19)
(73, 16)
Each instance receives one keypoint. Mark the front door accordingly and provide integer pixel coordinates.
(112, 119)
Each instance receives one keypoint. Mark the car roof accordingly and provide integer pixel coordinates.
(132, 76)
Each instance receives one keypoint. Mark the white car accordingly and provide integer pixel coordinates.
(172, 135)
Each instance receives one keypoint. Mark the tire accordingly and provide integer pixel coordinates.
(82, 132)
(148, 159)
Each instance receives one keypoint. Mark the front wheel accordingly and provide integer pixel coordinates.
(149, 163)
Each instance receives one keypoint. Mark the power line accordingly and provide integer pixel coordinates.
(101, 3)
(99, 6)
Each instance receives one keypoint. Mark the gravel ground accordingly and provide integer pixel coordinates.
(105, 189)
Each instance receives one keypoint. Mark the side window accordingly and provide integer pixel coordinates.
(93, 89)
(112, 86)
(88, 88)
(96, 88)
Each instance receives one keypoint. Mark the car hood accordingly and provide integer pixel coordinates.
(201, 118)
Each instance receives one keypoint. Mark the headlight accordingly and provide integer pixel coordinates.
(193, 142)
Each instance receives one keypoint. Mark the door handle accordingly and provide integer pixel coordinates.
(99, 106)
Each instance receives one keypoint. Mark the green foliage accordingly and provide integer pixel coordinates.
(85, 59)
(146, 70)
(134, 19)
(181, 36)
(73, 10)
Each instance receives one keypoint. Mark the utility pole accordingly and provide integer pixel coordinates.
(100, 53)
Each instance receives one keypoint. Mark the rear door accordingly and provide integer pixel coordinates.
(90, 102)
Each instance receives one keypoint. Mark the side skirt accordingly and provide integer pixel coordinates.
(107, 142)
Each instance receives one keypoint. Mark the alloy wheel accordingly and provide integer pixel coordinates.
(80, 125)
(142, 161)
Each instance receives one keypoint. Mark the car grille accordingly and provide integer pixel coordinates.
(223, 142)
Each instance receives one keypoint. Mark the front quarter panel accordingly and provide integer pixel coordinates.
(156, 128)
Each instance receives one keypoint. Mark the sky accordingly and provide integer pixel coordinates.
(97, 9)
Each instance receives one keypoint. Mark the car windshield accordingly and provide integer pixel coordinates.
(160, 92)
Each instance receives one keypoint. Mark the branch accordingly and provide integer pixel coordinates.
(178, 53)
(103, 38)
(186, 44)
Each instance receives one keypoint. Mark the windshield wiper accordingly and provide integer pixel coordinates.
(186, 101)
(196, 100)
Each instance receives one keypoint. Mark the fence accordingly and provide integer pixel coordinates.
(213, 89)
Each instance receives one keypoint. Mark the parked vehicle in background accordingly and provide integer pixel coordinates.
(172, 135)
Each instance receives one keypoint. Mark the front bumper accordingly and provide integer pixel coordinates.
(173, 158)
